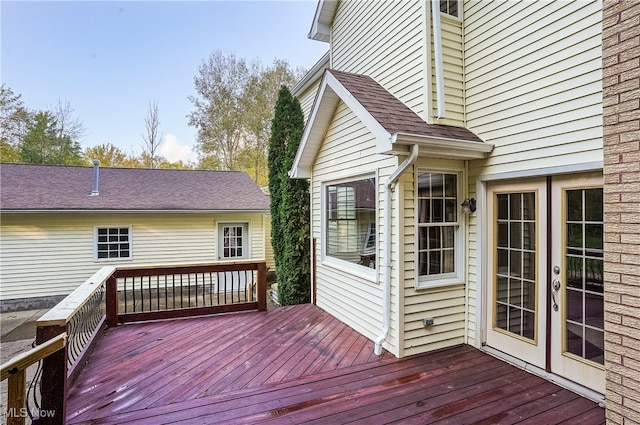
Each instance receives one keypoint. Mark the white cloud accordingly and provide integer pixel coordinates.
(173, 151)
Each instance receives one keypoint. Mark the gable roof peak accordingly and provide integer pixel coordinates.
(394, 125)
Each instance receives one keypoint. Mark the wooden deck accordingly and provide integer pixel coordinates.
(299, 365)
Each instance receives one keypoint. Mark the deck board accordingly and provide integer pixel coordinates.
(300, 365)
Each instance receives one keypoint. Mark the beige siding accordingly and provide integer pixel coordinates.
(349, 151)
(384, 40)
(534, 90)
(307, 98)
(453, 73)
(51, 254)
(533, 83)
(268, 247)
(446, 305)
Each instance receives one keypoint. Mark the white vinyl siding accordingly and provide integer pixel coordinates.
(307, 98)
(534, 90)
(446, 305)
(534, 82)
(452, 66)
(348, 152)
(51, 254)
(384, 40)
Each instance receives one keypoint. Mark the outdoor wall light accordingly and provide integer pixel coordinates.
(468, 205)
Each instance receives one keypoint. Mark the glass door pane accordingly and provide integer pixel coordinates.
(584, 259)
(515, 280)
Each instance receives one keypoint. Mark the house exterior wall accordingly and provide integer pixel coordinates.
(534, 83)
(534, 90)
(348, 152)
(307, 97)
(268, 247)
(367, 39)
(48, 255)
(453, 70)
(446, 303)
(621, 94)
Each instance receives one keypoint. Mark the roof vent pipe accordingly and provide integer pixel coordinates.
(96, 174)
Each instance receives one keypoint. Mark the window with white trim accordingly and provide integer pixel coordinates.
(233, 241)
(350, 225)
(438, 226)
(112, 243)
(450, 7)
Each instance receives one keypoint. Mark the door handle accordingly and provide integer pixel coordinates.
(555, 287)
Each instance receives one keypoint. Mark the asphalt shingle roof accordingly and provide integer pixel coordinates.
(394, 115)
(52, 187)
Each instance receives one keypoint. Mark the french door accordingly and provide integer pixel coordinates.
(545, 301)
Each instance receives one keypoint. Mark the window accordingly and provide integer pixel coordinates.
(584, 259)
(233, 241)
(350, 226)
(449, 7)
(516, 263)
(112, 243)
(438, 227)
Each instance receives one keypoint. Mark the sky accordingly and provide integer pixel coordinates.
(110, 59)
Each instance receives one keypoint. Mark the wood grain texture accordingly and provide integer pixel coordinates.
(298, 364)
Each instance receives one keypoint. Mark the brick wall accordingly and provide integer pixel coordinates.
(621, 102)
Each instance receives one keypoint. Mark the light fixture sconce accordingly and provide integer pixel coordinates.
(468, 205)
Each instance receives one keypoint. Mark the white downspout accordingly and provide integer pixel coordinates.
(437, 50)
(389, 186)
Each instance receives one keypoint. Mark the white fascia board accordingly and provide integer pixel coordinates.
(382, 136)
(324, 105)
(322, 20)
(314, 74)
(441, 147)
(330, 92)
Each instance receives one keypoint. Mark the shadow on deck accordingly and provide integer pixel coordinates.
(300, 365)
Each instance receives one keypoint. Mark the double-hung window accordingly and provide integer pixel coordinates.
(112, 243)
(439, 245)
(350, 221)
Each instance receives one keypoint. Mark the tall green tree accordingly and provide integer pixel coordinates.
(234, 104)
(14, 118)
(42, 145)
(218, 115)
(289, 203)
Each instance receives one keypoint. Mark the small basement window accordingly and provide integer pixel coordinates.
(112, 243)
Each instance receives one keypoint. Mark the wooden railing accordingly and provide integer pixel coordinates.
(115, 295)
(162, 292)
(15, 372)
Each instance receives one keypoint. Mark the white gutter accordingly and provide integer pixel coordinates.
(389, 185)
(437, 47)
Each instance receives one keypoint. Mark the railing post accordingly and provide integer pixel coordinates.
(53, 384)
(112, 302)
(17, 398)
(262, 286)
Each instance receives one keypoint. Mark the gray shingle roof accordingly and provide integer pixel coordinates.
(50, 187)
(394, 115)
